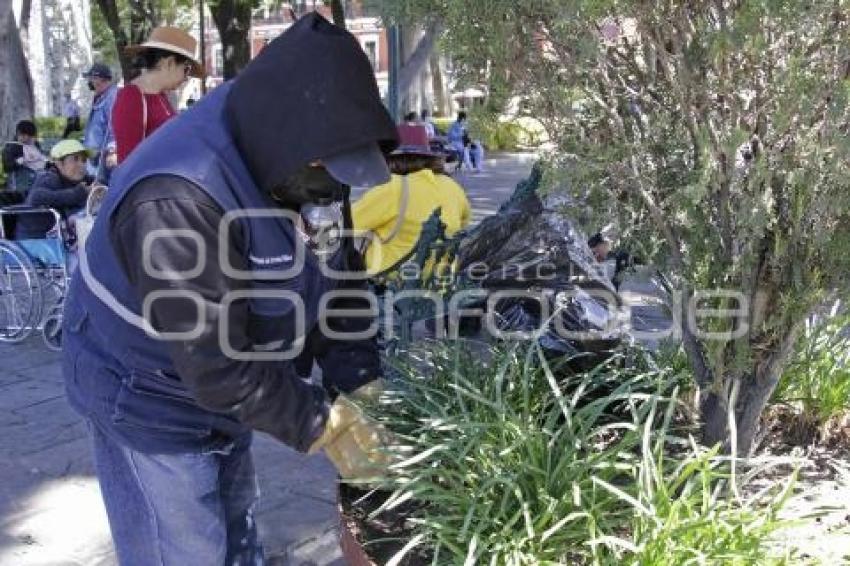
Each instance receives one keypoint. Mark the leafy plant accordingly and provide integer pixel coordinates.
(511, 465)
(716, 130)
(52, 127)
(495, 134)
(817, 381)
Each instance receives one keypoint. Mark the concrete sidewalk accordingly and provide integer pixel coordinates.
(50, 507)
(51, 512)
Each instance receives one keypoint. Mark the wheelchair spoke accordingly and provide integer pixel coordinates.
(20, 294)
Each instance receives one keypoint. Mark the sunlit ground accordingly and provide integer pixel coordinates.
(63, 522)
(818, 515)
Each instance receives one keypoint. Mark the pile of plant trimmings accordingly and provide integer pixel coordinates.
(507, 461)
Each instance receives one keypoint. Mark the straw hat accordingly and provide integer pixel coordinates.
(174, 40)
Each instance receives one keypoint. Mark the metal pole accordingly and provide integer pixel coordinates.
(395, 55)
(202, 14)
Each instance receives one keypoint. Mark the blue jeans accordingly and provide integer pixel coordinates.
(180, 509)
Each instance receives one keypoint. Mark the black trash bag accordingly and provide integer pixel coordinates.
(532, 246)
(497, 229)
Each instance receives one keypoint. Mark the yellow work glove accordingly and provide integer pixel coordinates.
(355, 443)
(369, 392)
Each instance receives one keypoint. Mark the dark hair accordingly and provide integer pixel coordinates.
(404, 164)
(410, 117)
(150, 57)
(596, 239)
(461, 116)
(26, 127)
(425, 113)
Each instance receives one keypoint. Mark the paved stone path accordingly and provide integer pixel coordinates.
(50, 507)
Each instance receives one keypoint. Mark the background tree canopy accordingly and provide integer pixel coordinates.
(714, 135)
(119, 23)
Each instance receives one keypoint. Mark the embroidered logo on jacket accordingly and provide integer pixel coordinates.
(272, 260)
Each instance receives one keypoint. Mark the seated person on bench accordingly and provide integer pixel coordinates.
(24, 153)
(394, 212)
(63, 186)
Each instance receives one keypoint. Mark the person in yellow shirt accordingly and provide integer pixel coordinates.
(394, 212)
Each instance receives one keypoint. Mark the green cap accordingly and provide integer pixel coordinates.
(66, 148)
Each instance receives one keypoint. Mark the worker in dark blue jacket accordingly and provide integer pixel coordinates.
(199, 282)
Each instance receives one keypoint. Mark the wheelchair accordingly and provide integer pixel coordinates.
(34, 272)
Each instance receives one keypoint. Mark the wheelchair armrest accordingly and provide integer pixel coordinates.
(9, 216)
(16, 209)
(22, 208)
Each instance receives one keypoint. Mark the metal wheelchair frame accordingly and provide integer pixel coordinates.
(32, 289)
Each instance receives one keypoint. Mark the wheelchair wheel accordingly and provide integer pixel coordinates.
(52, 329)
(20, 294)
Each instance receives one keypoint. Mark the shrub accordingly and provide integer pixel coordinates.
(817, 382)
(50, 129)
(443, 124)
(499, 135)
(50, 126)
(512, 466)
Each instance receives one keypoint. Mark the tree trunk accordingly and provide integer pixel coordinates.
(233, 21)
(713, 410)
(16, 94)
(753, 393)
(338, 12)
(441, 97)
(751, 399)
(426, 87)
(109, 9)
(417, 58)
(24, 25)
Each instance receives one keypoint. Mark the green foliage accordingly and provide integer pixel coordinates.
(495, 134)
(52, 127)
(502, 135)
(443, 124)
(512, 466)
(103, 42)
(818, 379)
(136, 18)
(715, 131)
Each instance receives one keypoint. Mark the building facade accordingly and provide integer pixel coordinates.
(268, 23)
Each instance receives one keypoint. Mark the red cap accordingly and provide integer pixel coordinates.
(413, 140)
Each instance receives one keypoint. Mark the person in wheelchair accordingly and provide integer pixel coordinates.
(64, 186)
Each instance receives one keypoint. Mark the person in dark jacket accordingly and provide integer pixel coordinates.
(195, 289)
(63, 186)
